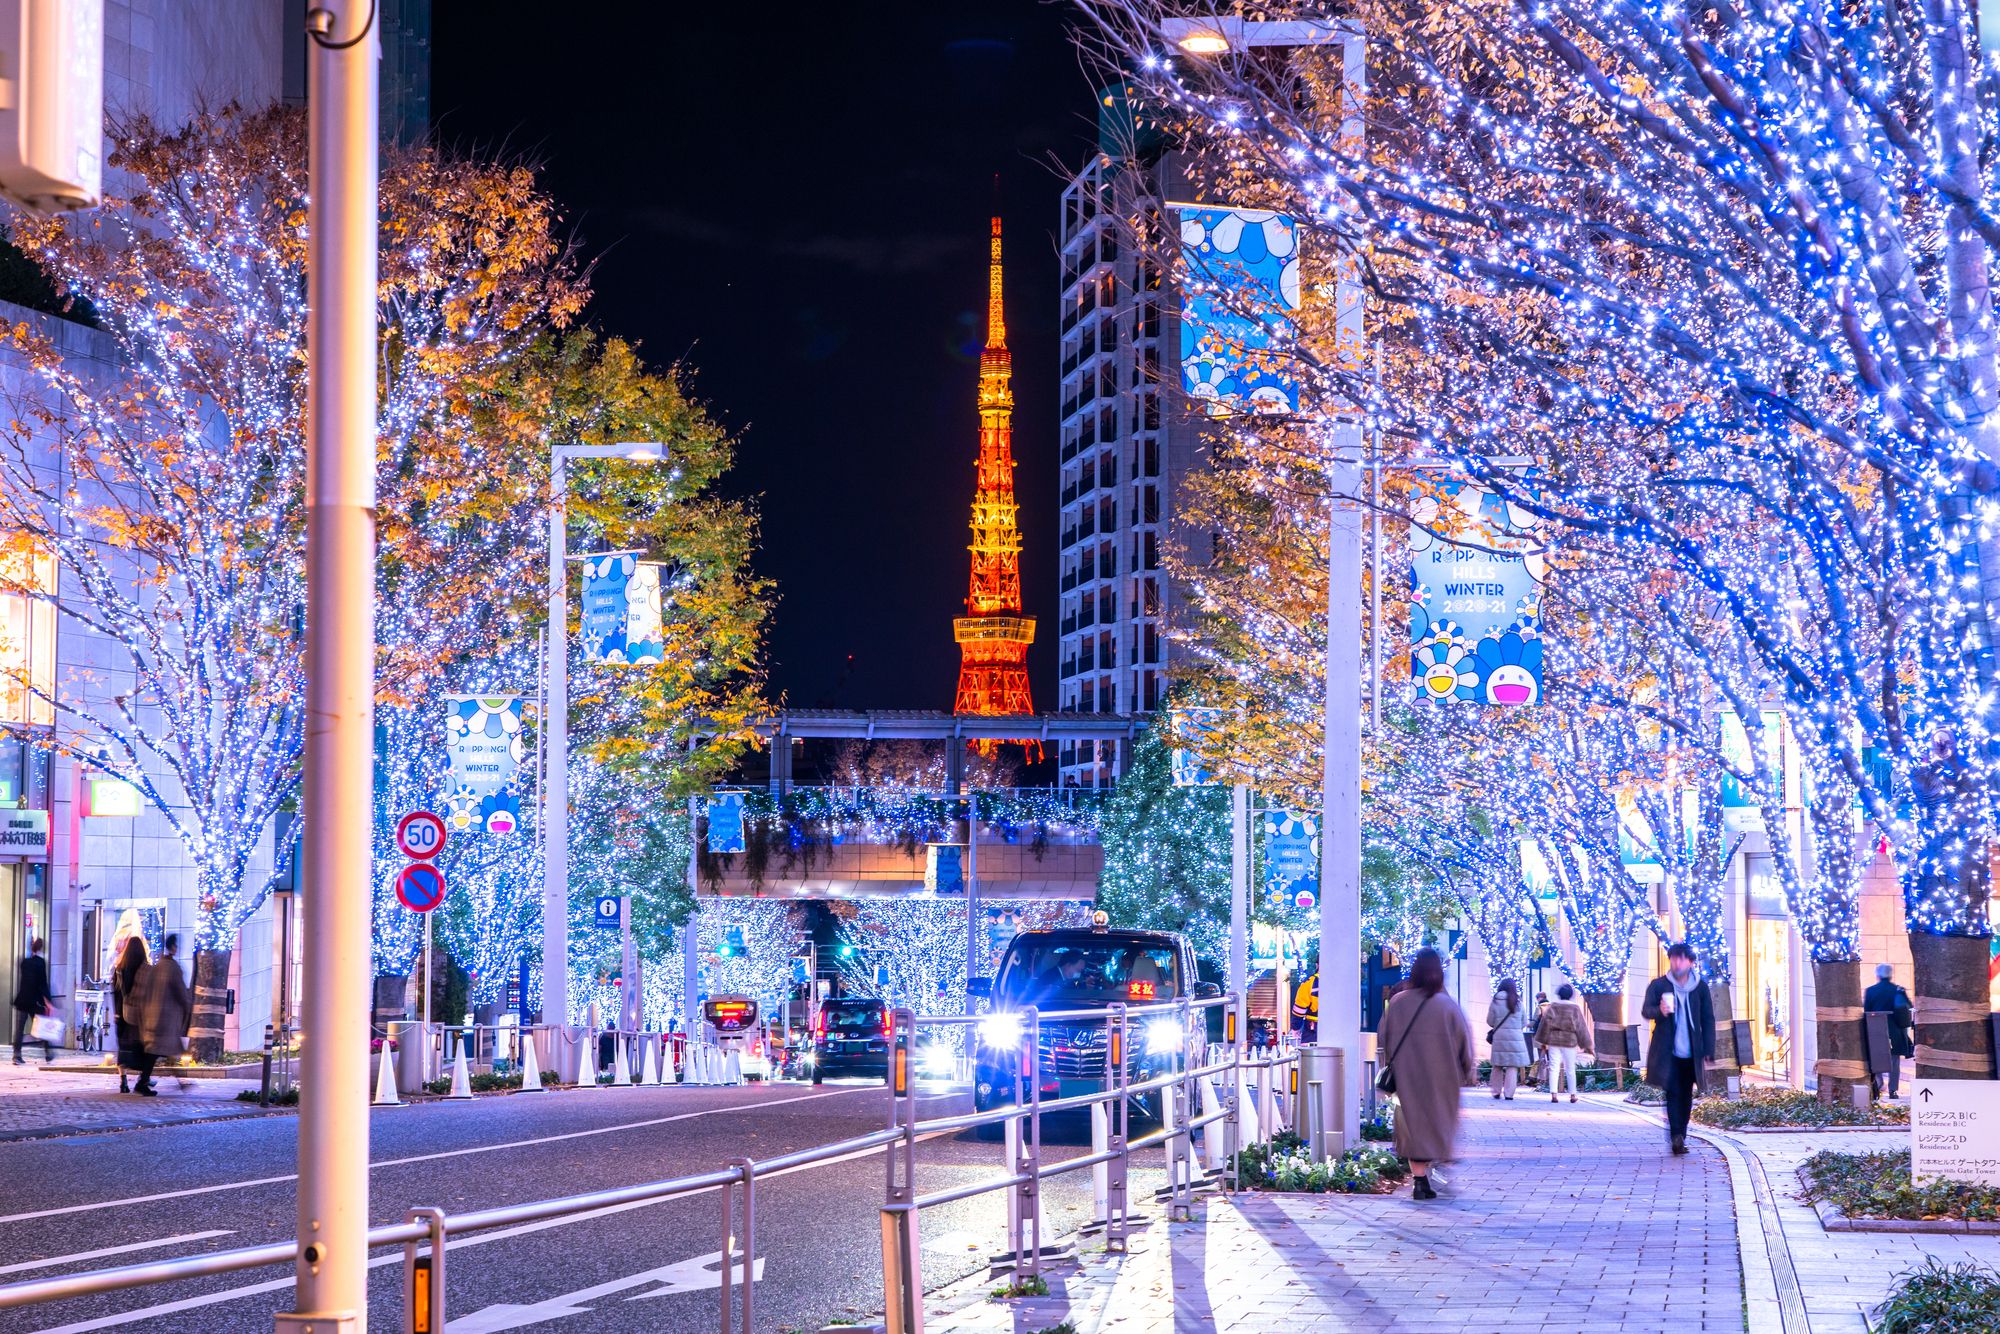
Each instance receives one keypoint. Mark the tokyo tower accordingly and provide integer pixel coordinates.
(993, 636)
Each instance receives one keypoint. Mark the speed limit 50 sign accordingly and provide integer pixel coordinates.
(420, 835)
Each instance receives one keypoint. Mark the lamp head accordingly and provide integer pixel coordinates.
(1204, 43)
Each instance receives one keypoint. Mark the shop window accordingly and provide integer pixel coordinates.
(28, 637)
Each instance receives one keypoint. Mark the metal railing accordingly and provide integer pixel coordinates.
(425, 1231)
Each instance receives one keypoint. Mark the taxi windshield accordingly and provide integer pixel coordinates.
(1052, 974)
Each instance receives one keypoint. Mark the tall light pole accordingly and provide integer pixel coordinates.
(555, 792)
(332, 1291)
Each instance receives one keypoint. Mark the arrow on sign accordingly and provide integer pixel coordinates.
(1925, 1094)
(686, 1276)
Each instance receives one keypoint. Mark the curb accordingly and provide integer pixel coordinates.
(1832, 1220)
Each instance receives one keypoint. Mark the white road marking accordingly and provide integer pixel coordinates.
(396, 1257)
(686, 1276)
(112, 1250)
(958, 1243)
(422, 1158)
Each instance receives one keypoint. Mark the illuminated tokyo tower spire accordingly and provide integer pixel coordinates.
(993, 636)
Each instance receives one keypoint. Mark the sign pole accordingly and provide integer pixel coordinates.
(331, 1296)
(1239, 889)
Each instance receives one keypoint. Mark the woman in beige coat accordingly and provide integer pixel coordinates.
(1425, 1041)
(1565, 1033)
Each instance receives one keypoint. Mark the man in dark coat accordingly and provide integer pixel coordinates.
(1885, 996)
(31, 999)
(1683, 1039)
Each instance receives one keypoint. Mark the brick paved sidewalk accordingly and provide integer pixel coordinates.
(42, 1104)
(1557, 1218)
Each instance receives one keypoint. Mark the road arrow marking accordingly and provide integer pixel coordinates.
(686, 1276)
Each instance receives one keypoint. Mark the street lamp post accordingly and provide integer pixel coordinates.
(555, 791)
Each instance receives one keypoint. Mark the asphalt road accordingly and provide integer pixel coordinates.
(174, 1191)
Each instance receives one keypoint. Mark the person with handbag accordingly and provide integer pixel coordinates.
(1565, 1034)
(166, 1010)
(1885, 996)
(1507, 1034)
(31, 1002)
(1429, 1059)
(125, 1014)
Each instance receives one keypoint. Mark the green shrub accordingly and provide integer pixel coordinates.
(288, 1098)
(1380, 1128)
(1029, 1285)
(1937, 1298)
(1646, 1094)
(1878, 1185)
(1790, 1107)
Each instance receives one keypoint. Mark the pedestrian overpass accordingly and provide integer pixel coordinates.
(845, 843)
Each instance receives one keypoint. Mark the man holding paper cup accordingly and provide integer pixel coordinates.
(1683, 1038)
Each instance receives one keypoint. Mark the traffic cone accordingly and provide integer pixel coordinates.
(621, 1069)
(385, 1081)
(732, 1070)
(586, 1066)
(649, 1073)
(461, 1078)
(531, 1067)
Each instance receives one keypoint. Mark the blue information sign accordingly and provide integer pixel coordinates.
(606, 913)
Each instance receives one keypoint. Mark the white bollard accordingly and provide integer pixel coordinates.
(621, 1069)
(531, 1066)
(1212, 1156)
(385, 1081)
(649, 1069)
(586, 1063)
(1249, 1130)
(461, 1078)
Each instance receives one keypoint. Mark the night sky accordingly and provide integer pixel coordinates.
(792, 201)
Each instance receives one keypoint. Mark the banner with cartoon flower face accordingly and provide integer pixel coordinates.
(1240, 278)
(483, 758)
(725, 823)
(1291, 858)
(622, 615)
(1476, 571)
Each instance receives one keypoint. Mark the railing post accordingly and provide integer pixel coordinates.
(1117, 1129)
(748, 1171)
(1180, 1164)
(902, 1275)
(423, 1277)
(1032, 1188)
(1232, 1135)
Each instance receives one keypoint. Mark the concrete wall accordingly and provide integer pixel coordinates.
(167, 58)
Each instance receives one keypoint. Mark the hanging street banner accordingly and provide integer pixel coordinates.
(1240, 281)
(621, 610)
(1740, 812)
(944, 868)
(1638, 847)
(483, 759)
(1291, 858)
(1190, 728)
(1475, 599)
(1540, 882)
(725, 823)
(1269, 946)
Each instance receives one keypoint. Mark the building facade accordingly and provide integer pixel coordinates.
(1126, 448)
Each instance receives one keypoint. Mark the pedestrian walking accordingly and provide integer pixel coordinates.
(125, 1014)
(1565, 1034)
(1430, 1060)
(1886, 997)
(166, 1010)
(1683, 1039)
(31, 1000)
(1507, 1033)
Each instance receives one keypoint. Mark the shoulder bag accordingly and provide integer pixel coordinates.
(1386, 1081)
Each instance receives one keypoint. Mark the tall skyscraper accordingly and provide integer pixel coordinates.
(1122, 449)
(993, 636)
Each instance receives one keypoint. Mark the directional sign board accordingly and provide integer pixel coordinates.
(420, 886)
(420, 835)
(606, 912)
(1955, 1130)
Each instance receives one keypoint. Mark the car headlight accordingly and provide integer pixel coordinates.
(1163, 1036)
(935, 1059)
(1001, 1031)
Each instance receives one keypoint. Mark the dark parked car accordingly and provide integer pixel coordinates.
(851, 1038)
(1085, 969)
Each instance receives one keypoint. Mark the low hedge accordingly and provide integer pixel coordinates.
(1283, 1165)
(1938, 1298)
(1878, 1185)
(1789, 1107)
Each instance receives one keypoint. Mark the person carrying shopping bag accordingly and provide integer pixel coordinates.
(1507, 1026)
(1565, 1034)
